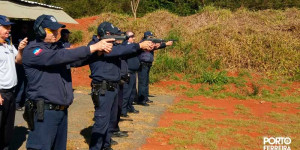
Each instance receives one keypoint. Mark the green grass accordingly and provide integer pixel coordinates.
(172, 87)
(242, 110)
(183, 102)
(183, 87)
(76, 36)
(181, 110)
(281, 117)
(209, 107)
(209, 132)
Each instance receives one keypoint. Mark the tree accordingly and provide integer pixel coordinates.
(134, 7)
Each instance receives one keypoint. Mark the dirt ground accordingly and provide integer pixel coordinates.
(139, 126)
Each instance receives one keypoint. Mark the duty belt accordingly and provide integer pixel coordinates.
(49, 106)
(110, 86)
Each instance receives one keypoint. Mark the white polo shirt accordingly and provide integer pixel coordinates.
(8, 74)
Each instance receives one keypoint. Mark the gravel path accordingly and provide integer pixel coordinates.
(139, 126)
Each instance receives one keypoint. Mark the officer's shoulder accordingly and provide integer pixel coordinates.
(34, 46)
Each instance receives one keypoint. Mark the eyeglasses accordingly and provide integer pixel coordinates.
(131, 36)
(50, 31)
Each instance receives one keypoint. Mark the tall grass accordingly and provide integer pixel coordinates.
(267, 41)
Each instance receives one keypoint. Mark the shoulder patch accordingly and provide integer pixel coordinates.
(37, 51)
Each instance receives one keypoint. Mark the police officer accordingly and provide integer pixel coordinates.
(64, 38)
(49, 82)
(146, 59)
(125, 77)
(129, 90)
(105, 74)
(8, 80)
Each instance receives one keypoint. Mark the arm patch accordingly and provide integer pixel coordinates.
(37, 51)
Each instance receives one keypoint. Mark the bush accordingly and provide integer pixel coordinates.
(76, 36)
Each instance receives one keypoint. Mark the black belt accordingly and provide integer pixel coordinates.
(110, 86)
(7, 90)
(49, 106)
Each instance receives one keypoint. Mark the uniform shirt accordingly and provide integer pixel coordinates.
(47, 68)
(65, 44)
(8, 75)
(107, 66)
(132, 60)
(149, 56)
(124, 67)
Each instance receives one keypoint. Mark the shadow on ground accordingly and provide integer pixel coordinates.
(86, 133)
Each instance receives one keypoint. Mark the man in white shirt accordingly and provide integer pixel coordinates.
(8, 80)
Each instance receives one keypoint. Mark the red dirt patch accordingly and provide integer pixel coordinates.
(80, 76)
(83, 23)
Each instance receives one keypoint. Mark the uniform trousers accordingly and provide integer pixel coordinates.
(129, 94)
(143, 83)
(105, 115)
(51, 133)
(7, 118)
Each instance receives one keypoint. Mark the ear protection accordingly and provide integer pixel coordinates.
(38, 29)
(101, 32)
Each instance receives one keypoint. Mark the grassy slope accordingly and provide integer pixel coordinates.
(265, 41)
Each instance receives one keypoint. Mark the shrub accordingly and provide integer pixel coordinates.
(76, 36)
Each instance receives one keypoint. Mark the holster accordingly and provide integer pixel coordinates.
(29, 114)
(95, 94)
(124, 79)
(100, 89)
(40, 107)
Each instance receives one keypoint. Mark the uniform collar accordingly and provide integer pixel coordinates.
(47, 45)
(95, 38)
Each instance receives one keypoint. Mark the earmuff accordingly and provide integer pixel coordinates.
(38, 29)
(101, 32)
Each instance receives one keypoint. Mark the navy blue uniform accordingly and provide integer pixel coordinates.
(49, 78)
(146, 59)
(107, 68)
(65, 44)
(129, 89)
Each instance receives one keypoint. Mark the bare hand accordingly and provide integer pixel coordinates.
(102, 46)
(147, 45)
(157, 45)
(23, 44)
(169, 43)
(1, 100)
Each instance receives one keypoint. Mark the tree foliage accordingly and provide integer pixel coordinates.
(81, 8)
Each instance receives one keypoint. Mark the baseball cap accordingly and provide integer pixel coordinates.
(108, 27)
(50, 22)
(4, 21)
(147, 34)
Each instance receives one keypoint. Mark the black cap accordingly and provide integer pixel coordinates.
(147, 34)
(65, 31)
(107, 27)
(4, 21)
(50, 22)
